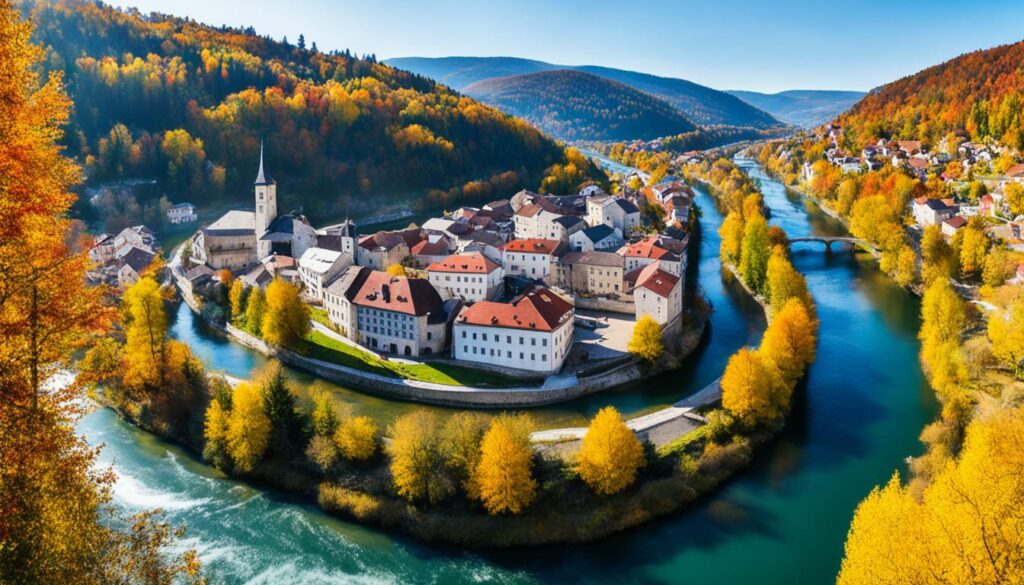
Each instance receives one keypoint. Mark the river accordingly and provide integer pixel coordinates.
(855, 420)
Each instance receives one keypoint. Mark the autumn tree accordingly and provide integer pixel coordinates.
(504, 475)
(357, 438)
(287, 318)
(973, 245)
(237, 298)
(752, 389)
(460, 446)
(784, 282)
(937, 258)
(731, 232)
(57, 523)
(145, 334)
(396, 270)
(789, 341)
(756, 251)
(962, 529)
(325, 416)
(417, 459)
(255, 308)
(249, 427)
(610, 454)
(1007, 336)
(1013, 196)
(215, 432)
(942, 319)
(646, 342)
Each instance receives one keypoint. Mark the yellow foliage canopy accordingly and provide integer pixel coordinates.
(610, 455)
(504, 475)
(646, 341)
(752, 389)
(287, 318)
(357, 438)
(248, 427)
(416, 458)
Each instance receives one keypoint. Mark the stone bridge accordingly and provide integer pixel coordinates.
(853, 243)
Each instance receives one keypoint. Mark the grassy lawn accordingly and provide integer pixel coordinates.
(321, 347)
(319, 315)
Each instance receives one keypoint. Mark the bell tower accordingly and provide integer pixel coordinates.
(266, 206)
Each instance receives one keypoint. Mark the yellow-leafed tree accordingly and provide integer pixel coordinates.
(731, 232)
(784, 281)
(287, 318)
(215, 431)
(145, 334)
(965, 528)
(248, 427)
(752, 389)
(1007, 336)
(357, 438)
(789, 340)
(610, 455)
(504, 475)
(396, 270)
(237, 297)
(417, 463)
(646, 341)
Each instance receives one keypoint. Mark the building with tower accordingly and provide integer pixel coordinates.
(266, 207)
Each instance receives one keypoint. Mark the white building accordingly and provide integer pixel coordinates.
(391, 314)
(616, 212)
(599, 238)
(655, 249)
(932, 211)
(534, 222)
(532, 332)
(531, 258)
(182, 213)
(318, 267)
(657, 293)
(468, 277)
(266, 208)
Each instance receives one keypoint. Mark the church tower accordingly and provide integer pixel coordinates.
(266, 207)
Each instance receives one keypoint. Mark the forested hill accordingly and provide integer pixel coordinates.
(700, 104)
(804, 107)
(977, 94)
(169, 98)
(572, 105)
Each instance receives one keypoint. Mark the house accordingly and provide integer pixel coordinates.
(656, 293)
(919, 167)
(317, 267)
(952, 225)
(987, 205)
(677, 210)
(1016, 173)
(534, 221)
(382, 249)
(199, 276)
(434, 248)
(849, 164)
(909, 146)
(470, 277)
(229, 242)
(592, 191)
(132, 264)
(928, 212)
(531, 258)
(342, 237)
(102, 251)
(182, 213)
(600, 237)
(532, 332)
(590, 273)
(615, 212)
(391, 314)
(664, 191)
(660, 249)
(139, 236)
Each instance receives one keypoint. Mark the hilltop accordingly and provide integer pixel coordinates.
(573, 105)
(163, 97)
(803, 107)
(700, 104)
(976, 95)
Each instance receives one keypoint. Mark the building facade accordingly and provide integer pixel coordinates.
(468, 277)
(531, 258)
(533, 332)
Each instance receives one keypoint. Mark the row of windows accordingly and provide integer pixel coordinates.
(508, 338)
(448, 278)
(497, 353)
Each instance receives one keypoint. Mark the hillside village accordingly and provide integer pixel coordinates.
(512, 284)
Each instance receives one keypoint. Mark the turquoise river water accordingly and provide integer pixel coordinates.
(783, 520)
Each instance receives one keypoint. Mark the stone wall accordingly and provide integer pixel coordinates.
(604, 304)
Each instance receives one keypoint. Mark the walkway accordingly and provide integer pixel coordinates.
(660, 427)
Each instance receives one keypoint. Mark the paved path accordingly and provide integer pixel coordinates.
(660, 427)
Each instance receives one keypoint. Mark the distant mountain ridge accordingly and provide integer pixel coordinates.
(575, 105)
(804, 107)
(700, 104)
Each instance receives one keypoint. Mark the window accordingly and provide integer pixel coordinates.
(509, 355)
(543, 357)
(533, 357)
(520, 341)
(544, 342)
(520, 355)
(430, 335)
(474, 335)
(508, 339)
(465, 349)
(485, 336)
(533, 341)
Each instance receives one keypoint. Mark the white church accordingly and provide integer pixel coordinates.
(257, 245)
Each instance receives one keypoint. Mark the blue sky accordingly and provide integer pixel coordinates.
(731, 44)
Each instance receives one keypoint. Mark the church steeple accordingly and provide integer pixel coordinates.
(261, 177)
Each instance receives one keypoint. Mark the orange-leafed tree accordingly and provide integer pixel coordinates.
(55, 506)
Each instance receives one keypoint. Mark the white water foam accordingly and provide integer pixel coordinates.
(131, 492)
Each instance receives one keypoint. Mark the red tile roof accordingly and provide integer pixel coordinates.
(428, 248)
(412, 296)
(537, 309)
(528, 210)
(548, 247)
(657, 280)
(648, 248)
(956, 222)
(1015, 171)
(475, 263)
